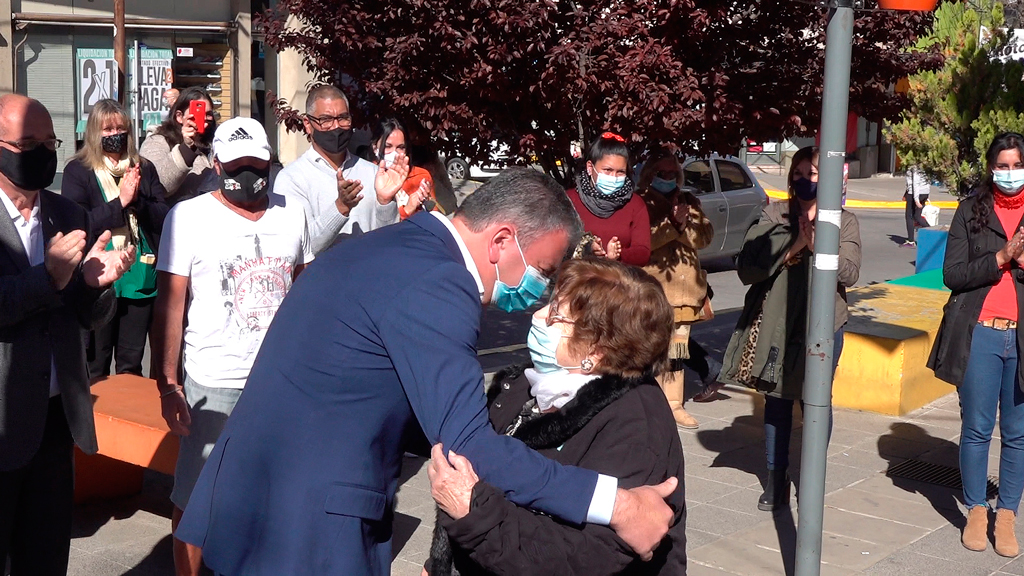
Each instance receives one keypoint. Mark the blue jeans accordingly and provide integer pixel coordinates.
(778, 418)
(990, 382)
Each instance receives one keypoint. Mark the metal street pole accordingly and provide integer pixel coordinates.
(120, 52)
(817, 393)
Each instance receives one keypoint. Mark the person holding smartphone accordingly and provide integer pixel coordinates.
(343, 195)
(180, 147)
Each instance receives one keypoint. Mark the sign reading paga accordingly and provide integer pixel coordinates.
(97, 79)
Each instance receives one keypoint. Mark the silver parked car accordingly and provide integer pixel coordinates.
(731, 197)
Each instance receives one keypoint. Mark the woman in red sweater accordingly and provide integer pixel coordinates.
(604, 199)
(978, 344)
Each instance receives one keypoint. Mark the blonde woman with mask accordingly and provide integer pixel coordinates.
(122, 193)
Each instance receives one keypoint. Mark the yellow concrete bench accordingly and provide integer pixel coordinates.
(887, 342)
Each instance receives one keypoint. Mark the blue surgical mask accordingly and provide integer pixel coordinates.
(529, 290)
(1009, 182)
(609, 185)
(663, 186)
(542, 343)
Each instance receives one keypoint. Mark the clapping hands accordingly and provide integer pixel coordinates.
(102, 267)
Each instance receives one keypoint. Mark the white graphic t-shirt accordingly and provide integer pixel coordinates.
(239, 272)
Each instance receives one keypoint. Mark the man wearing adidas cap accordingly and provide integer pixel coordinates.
(235, 251)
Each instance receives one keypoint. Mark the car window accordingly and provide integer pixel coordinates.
(732, 176)
(698, 175)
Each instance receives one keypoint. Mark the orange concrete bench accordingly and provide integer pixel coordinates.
(132, 436)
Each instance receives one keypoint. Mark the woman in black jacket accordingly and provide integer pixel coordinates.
(590, 399)
(977, 346)
(122, 193)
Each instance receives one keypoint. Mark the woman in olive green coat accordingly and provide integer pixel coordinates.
(766, 351)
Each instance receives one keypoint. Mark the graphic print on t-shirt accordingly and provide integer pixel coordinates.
(253, 287)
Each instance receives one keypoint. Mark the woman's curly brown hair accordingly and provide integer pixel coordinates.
(618, 310)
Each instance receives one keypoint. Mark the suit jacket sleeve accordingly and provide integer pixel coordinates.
(25, 294)
(80, 185)
(444, 384)
(506, 539)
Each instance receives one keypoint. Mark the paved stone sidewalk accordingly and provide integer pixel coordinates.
(873, 524)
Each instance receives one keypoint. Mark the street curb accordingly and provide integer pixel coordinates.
(776, 194)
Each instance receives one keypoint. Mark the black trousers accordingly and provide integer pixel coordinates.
(35, 504)
(914, 215)
(125, 335)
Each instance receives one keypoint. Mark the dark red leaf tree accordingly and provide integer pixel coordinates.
(697, 75)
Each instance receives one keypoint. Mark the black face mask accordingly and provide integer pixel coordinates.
(805, 189)
(245, 185)
(32, 170)
(333, 141)
(115, 144)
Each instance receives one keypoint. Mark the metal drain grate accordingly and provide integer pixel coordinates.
(937, 474)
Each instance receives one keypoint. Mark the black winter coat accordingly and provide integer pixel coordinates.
(970, 271)
(620, 427)
(80, 185)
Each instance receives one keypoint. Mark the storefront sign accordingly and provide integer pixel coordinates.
(97, 79)
(1013, 49)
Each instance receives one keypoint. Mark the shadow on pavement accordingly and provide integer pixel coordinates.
(944, 500)
(897, 239)
(785, 527)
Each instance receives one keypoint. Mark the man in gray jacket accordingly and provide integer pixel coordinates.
(51, 292)
(332, 183)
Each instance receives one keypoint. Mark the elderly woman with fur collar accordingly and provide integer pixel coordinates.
(590, 399)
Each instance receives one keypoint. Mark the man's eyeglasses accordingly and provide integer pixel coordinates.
(328, 122)
(29, 145)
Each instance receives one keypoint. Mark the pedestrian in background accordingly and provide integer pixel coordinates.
(977, 348)
(180, 152)
(916, 196)
(767, 349)
(418, 191)
(51, 291)
(228, 260)
(604, 199)
(342, 194)
(679, 229)
(122, 193)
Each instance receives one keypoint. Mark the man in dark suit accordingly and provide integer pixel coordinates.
(51, 293)
(378, 331)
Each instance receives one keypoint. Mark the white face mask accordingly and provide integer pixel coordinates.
(390, 158)
(1009, 182)
(609, 185)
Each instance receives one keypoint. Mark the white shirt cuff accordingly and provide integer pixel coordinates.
(603, 502)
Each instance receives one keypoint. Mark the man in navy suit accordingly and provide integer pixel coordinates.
(377, 332)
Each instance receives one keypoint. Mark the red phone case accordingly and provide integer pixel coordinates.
(197, 108)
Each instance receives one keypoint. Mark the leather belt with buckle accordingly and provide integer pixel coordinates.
(999, 324)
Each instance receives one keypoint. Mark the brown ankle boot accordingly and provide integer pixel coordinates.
(1006, 538)
(975, 535)
(672, 385)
